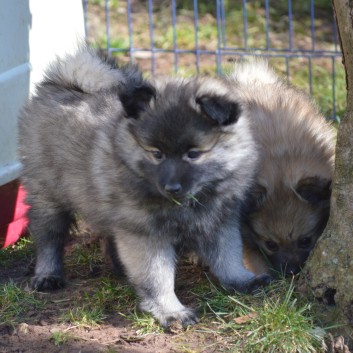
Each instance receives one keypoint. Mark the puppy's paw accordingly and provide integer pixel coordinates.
(250, 285)
(258, 282)
(172, 313)
(185, 317)
(47, 282)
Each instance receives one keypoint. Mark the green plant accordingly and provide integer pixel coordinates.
(89, 256)
(271, 321)
(22, 250)
(60, 337)
(144, 323)
(84, 316)
(113, 295)
(16, 302)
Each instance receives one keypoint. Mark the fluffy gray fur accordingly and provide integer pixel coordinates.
(155, 168)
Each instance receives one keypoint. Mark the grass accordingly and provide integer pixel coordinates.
(23, 250)
(144, 323)
(114, 295)
(88, 256)
(275, 320)
(15, 303)
(84, 315)
(109, 298)
(283, 324)
(59, 338)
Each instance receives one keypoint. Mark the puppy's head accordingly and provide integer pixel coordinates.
(286, 223)
(183, 143)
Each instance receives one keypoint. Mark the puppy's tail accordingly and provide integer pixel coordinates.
(89, 72)
(253, 70)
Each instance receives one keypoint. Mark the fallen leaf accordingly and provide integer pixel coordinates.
(244, 319)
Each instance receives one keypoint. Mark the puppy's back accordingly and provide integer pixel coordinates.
(285, 122)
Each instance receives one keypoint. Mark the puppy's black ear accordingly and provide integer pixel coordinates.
(137, 98)
(220, 110)
(314, 189)
(136, 93)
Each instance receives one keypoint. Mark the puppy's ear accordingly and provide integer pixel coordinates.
(136, 93)
(314, 189)
(221, 110)
(137, 98)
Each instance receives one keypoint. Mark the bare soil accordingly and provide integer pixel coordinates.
(34, 330)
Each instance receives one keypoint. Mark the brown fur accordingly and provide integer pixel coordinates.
(288, 207)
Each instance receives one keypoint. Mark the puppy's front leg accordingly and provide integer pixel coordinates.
(150, 265)
(225, 259)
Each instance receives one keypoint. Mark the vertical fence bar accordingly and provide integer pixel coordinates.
(223, 19)
(175, 47)
(85, 17)
(267, 24)
(290, 25)
(312, 24)
(310, 76)
(335, 34)
(129, 23)
(245, 24)
(219, 34)
(333, 77)
(107, 25)
(150, 17)
(287, 69)
(196, 27)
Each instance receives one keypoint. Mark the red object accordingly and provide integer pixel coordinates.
(13, 210)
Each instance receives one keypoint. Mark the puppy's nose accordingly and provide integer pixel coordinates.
(173, 188)
(291, 269)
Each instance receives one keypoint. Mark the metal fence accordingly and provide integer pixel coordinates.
(204, 36)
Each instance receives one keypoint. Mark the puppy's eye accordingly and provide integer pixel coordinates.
(271, 245)
(193, 154)
(157, 155)
(304, 243)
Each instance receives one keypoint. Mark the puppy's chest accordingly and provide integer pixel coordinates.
(185, 224)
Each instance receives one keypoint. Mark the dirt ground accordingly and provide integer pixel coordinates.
(34, 329)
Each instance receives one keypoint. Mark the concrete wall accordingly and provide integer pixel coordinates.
(32, 33)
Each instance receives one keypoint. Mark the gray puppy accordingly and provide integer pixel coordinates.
(156, 168)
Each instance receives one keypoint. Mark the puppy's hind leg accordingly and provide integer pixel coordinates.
(49, 228)
(150, 264)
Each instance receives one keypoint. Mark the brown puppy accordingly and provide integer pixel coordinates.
(288, 206)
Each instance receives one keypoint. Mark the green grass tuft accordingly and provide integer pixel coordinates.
(84, 316)
(144, 323)
(283, 325)
(16, 302)
(22, 250)
(59, 338)
(271, 321)
(88, 256)
(113, 295)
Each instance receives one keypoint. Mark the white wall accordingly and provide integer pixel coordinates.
(32, 33)
(57, 26)
(15, 23)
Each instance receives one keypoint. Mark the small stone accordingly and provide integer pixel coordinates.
(22, 328)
